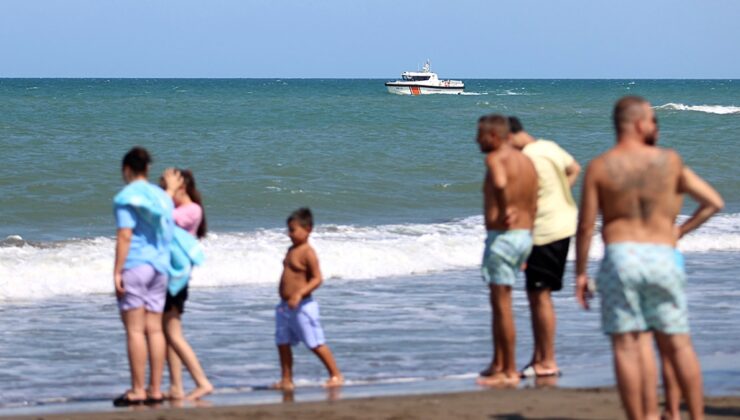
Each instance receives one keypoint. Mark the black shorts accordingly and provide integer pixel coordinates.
(546, 265)
(177, 301)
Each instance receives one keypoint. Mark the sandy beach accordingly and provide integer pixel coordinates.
(593, 403)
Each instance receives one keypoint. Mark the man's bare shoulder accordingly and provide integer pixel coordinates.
(596, 167)
(674, 158)
(492, 159)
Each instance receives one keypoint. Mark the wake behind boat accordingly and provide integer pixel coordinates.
(424, 82)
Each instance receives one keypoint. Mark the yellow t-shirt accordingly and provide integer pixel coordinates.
(557, 213)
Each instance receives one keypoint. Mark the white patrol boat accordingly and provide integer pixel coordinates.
(424, 82)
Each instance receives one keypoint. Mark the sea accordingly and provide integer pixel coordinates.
(395, 186)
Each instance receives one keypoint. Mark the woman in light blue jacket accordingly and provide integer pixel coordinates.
(145, 225)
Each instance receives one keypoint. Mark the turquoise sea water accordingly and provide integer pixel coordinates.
(395, 186)
(346, 147)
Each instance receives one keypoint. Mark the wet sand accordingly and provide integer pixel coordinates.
(595, 403)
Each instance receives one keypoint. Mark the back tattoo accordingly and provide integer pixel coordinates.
(647, 177)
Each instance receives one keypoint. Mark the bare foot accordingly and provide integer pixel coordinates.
(174, 394)
(490, 370)
(283, 385)
(199, 392)
(334, 381)
(499, 380)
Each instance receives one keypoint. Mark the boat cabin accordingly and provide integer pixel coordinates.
(413, 76)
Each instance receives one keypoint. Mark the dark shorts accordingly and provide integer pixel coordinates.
(546, 265)
(177, 301)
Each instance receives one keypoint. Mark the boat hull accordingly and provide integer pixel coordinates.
(424, 90)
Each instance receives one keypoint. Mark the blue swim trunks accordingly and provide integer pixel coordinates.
(299, 325)
(642, 288)
(505, 252)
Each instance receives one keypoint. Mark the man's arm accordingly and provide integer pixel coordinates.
(571, 172)
(314, 281)
(497, 171)
(710, 202)
(586, 221)
(499, 180)
(123, 244)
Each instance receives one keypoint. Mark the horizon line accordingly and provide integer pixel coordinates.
(349, 78)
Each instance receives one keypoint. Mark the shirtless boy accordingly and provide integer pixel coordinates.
(510, 204)
(638, 188)
(297, 315)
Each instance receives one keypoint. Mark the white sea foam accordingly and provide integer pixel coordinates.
(709, 109)
(510, 92)
(30, 271)
(473, 93)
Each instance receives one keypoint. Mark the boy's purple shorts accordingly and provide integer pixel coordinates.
(301, 324)
(145, 287)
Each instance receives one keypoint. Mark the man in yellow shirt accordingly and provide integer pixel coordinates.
(554, 224)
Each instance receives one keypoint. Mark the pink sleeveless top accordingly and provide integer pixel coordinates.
(188, 217)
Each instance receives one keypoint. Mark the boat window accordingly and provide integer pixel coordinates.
(416, 78)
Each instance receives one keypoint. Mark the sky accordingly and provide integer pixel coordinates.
(370, 39)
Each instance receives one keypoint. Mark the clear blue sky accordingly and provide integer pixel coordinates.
(356, 38)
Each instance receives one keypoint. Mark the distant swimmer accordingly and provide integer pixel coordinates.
(297, 314)
(509, 207)
(555, 223)
(638, 189)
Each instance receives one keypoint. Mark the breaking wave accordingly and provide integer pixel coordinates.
(709, 109)
(37, 270)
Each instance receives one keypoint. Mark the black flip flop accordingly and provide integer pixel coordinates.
(125, 401)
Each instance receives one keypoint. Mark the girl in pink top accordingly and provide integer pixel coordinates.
(188, 215)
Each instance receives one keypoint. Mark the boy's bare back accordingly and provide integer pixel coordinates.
(510, 178)
(299, 266)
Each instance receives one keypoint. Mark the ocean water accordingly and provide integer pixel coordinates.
(394, 183)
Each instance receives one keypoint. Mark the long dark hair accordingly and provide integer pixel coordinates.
(194, 194)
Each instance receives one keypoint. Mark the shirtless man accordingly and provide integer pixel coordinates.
(297, 314)
(638, 189)
(509, 207)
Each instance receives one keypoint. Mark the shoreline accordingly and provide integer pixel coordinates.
(542, 403)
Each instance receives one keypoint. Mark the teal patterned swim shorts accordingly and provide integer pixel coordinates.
(642, 288)
(505, 252)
